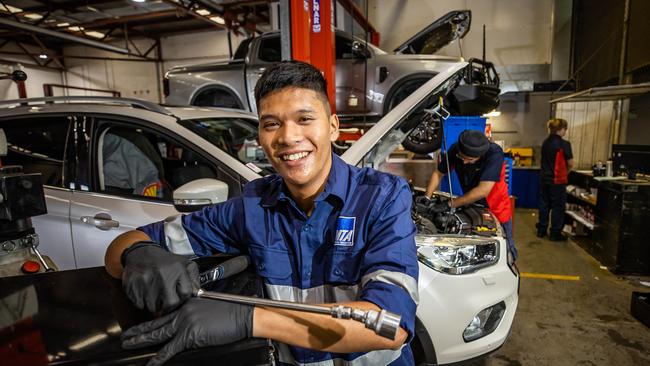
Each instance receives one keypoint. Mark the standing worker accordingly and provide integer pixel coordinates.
(481, 171)
(557, 161)
(319, 231)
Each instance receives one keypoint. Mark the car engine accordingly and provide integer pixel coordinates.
(473, 219)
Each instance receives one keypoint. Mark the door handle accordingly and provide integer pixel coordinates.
(102, 221)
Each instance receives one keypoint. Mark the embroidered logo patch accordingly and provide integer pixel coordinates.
(345, 231)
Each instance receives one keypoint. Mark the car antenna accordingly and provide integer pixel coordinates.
(483, 43)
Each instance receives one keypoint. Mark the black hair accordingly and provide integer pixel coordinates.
(291, 74)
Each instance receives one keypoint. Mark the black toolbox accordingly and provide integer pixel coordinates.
(640, 307)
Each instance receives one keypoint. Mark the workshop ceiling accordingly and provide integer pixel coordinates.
(111, 20)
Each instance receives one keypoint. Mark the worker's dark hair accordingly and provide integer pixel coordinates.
(291, 74)
(556, 124)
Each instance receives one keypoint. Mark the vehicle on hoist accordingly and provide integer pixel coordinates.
(369, 81)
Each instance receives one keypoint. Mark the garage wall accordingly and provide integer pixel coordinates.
(522, 122)
(132, 79)
(638, 122)
(36, 76)
(190, 49)
(590, 130)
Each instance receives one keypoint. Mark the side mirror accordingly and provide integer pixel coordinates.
(359, 50)
(199, 193)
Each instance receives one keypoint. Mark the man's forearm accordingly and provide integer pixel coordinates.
(434, 182)
(321, 332)
(117, 246)
(479, 192)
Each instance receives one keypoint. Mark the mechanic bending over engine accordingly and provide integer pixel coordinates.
(481, 171)
(319, 231)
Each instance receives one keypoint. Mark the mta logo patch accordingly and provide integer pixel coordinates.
(345, 231)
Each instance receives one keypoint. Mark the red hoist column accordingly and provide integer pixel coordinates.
(312, 39)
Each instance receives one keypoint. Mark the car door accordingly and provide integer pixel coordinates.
(133, 169)
(266, 52)
(353, 80)
(41, 144)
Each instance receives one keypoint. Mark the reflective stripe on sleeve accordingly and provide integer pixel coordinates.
(400, 279)
(176, 237)
(314, 295)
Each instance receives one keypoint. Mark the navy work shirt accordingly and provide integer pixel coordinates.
(357, 245)
(490, 168)
(555, 153)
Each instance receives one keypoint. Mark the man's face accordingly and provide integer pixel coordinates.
(467, 159)
(296, 132)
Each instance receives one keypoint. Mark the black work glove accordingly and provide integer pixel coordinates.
(157, 279)
(198, 323)
(422, 204)
(440, 207)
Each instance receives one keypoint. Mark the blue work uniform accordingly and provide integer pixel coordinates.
(357, 245)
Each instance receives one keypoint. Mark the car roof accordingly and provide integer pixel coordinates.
(207, 112)
(113, 105)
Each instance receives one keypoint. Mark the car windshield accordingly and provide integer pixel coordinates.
(236, 136)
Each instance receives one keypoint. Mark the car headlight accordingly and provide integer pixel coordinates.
(456, 254)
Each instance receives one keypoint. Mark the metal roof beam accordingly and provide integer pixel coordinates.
(192, 13)
(107, 22)
(68, 37)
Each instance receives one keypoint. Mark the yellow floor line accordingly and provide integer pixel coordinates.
(549, 276)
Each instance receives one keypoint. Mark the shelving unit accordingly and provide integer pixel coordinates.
(583, 220)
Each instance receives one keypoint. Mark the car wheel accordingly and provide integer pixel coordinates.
(423, 350)
(426, 137)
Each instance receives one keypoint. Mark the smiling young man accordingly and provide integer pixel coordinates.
(318, 231)
(481, 172)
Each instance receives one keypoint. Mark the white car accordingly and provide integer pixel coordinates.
(96, 189)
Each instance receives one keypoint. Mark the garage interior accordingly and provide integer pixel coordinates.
(584, 301)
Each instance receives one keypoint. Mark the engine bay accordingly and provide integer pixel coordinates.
(472, 219)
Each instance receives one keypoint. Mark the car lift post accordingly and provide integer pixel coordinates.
(312, 39)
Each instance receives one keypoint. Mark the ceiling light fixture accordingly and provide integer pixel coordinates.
(492, 113)
(217, 19)
(75, 28)
(203, 12)
(63, 24)
(138, 1)
(12, 9)
(95, 34)
(33, 16)
(43, 56)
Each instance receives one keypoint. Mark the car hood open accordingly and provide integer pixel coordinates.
(446, 29)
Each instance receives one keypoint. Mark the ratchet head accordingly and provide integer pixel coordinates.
(383, 323)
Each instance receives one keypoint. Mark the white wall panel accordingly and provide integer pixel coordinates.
(590, 129)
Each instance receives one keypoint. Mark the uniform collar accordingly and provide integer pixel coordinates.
(336, 185)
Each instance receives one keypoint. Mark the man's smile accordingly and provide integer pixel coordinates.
(293, 156)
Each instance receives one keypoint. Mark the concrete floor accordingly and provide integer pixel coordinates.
(559, 322)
